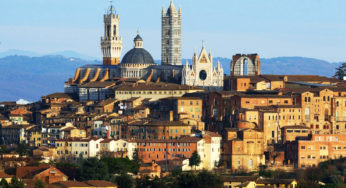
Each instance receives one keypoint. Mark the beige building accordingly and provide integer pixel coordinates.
(245, 150)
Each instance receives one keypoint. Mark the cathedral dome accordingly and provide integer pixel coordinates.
(138, 55)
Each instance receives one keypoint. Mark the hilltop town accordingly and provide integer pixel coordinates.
(133, 120)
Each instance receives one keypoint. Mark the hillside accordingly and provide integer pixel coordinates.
(31, 77)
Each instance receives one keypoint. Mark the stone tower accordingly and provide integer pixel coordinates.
(171, 36)
(111, 43)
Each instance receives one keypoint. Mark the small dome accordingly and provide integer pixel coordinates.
(138, 56)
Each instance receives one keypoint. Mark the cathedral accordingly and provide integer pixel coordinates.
(138, 64)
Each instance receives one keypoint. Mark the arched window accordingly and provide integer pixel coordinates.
(309, 99)
(245, 62)
(326, 115)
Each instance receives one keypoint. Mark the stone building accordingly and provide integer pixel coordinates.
(244, 149)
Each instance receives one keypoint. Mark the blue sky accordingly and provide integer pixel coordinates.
(272, 28)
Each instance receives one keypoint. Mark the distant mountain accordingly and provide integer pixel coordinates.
(29, 78)
(66, 53)
(289, 65)
(74, 54)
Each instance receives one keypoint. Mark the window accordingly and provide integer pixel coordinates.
(302, 147)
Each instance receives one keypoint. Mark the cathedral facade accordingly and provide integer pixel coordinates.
(138, 63)
(202, 73)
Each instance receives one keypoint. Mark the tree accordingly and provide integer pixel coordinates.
(120, 165)
(124, 181)
(209, 180)
(136, 158)
(23, 149)
(15, 183)
(4, 183)
(93, 169)
(194, 160)
(39, 184)
(340, 71)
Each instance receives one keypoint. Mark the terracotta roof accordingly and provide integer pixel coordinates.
(4, 175)
(107, 101)
(212, 134)
(312, 78)
(100, 183)
(107, 140)
(105, 84)
(26, 172)
(20, 111)
(74, 184)
(58, 95)
(182, 139)
(243, 95)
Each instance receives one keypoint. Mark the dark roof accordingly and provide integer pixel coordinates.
(138, 56)
(274, 181)
(295, 127)
(138, 38)
(100, 183)
(154, 86)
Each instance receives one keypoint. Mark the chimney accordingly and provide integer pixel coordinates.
(170, 115)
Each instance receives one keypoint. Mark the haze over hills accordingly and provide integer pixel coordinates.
(32, 77)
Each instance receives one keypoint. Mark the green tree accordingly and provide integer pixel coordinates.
(209, 180)
(136, 158)
(15, 183)
(93, 169)
(23, 149)
(3, 149)
(340, 71)
(124, 181)
(4, 183)
(120, 165)
(39, 184)
(194, 160)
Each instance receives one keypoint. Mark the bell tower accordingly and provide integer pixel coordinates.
(171, 36)
(111, 42)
